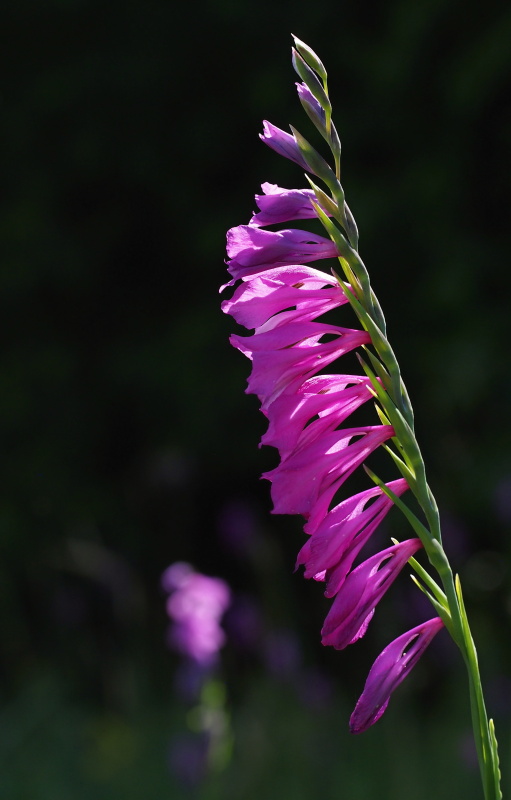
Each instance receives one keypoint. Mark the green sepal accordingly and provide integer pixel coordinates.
(440, 610)
(433, 587)
(386, 354)
(311, 81)
(495, 758)
(404, 469)
(471, 651)
(310, 57)
(316, 163)
(378, 315)
(377, 385)
(422, 532)
(381, 414)
(350, 257)
(353, 286)
(378, 368)
(351, 227)
(326, 203)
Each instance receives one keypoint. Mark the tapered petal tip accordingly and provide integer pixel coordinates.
(389, 670)
(359, 725)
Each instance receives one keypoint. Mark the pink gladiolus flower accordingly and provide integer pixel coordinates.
(283, 143)
(282, 205)
(331, 549)
(330, 398)
(265, 294)
(354, 605)
(389, 670)
(315, 471)
(283, 358)
(281, 300)
(251, 249)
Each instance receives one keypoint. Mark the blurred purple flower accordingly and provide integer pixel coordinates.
(282, 653)
(237, 527)
(244, 623)
(188, 758)
(195, 607)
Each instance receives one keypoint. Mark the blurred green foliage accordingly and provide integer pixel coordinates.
(129, 145)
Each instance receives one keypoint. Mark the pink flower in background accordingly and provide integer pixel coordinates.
(195, 606)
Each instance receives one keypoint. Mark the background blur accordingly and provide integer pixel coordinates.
(129, 146)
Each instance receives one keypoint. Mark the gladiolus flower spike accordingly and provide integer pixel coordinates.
(281, 300)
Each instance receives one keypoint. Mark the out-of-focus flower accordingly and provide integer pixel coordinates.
(195, 607)
(188, 758)
(389, 670)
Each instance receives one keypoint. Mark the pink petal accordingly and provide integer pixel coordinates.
(320, 466)
(283, 358)
(389, 670)
(329, 397)
(274, 290)
(362, 591)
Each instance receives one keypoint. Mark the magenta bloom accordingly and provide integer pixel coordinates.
(195, 607)
(281, 299)
(354, 605)
(320, 405)
(264, 294)
(389, 670)
(281, 205)
(283, 143)
(330, 551)
(312, 474)
(252, 250)
(283, 358)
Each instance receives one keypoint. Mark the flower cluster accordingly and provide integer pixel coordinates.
(195, 606)
(281, 300)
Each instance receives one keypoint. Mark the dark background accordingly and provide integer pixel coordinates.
(129, 146)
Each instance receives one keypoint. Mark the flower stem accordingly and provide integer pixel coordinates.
(393, 406)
